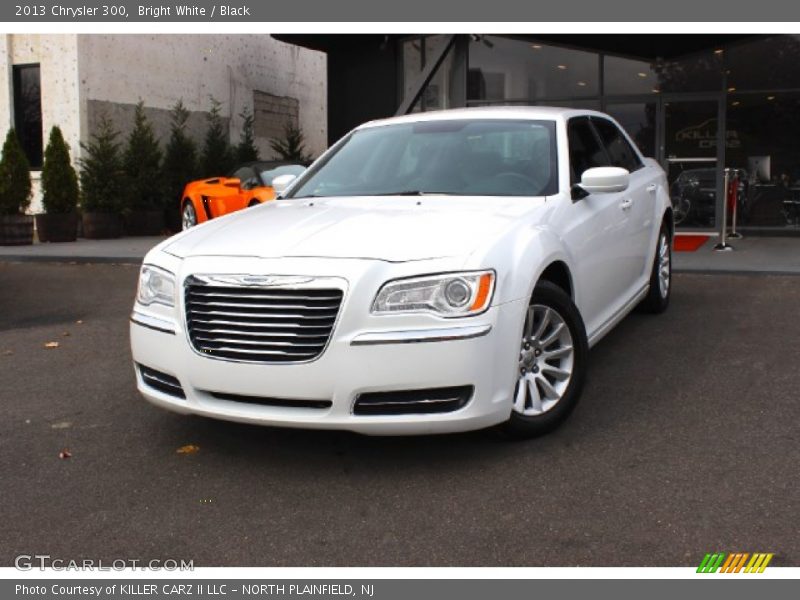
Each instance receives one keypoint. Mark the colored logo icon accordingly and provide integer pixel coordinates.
(735, 562)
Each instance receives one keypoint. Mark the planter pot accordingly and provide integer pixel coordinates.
(144, 222)
(16, 230)
(57, 227)
(101, 226)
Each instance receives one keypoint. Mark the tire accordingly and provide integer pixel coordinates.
(657, 299)
(557, 330)
(188, 216)
(253, 203)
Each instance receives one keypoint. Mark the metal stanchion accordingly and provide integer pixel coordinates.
(723, 245)
(735, 235)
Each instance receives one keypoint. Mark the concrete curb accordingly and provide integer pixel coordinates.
(684, 271)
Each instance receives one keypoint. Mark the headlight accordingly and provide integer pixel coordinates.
(156, 286)
(448, 294)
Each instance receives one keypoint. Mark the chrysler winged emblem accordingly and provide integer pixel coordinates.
(255, 280)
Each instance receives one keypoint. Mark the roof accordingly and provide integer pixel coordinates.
(545, 113)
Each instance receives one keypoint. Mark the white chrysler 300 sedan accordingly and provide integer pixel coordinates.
(430, 273)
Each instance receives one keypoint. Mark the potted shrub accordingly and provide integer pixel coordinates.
(102, 183)
(143, 179)
(180, 165)
(16, 228)
(292, 146)
(59, 222)
(247, 151)
(217, 158)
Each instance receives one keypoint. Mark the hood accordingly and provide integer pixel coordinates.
(384, 228)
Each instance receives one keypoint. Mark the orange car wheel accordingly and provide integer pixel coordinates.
(188, 215)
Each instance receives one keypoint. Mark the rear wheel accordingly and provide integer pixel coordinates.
(552, 364)
(253, 203)
(188, 216)
(657, 299)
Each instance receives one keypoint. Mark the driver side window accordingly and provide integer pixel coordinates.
(585, 151)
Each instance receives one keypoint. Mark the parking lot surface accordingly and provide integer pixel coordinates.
(685, 442)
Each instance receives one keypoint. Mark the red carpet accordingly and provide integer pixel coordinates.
(689, 243)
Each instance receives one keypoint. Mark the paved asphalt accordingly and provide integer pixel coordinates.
(685, 442)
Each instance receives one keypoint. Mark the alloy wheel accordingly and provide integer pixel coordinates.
(664, 265)
(188, 217)
(546, 361)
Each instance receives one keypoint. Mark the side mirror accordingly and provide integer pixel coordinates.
(282, 182)
(605, 180)
(233, 182)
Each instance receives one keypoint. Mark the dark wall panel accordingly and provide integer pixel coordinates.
(362, 85)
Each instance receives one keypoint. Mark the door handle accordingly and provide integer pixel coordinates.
(626, 204)
(652, 188)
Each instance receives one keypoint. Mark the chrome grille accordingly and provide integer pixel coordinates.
(269, 323)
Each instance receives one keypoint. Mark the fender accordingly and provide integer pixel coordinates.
(532, 249)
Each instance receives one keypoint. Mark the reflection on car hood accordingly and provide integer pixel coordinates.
(384, 228)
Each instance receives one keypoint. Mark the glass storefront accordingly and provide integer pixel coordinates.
(734, 106)
(442, 91)
(507, 70)
(763, 134)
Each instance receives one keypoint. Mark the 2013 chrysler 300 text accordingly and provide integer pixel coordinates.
(430, 273)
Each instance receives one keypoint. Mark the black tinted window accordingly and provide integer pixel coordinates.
(585, 151)
(619, 150)
(28, 111)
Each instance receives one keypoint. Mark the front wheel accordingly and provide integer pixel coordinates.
(188, 216)
(552, 364)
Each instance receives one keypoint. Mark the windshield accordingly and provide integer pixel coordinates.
(267, 175)
(488, 157)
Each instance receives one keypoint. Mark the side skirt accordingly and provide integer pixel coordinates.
(601, 331)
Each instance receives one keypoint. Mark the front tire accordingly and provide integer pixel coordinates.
(657, 299)
(188, 216)
(552, 364)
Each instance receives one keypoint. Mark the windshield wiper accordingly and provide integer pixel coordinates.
(414, 193)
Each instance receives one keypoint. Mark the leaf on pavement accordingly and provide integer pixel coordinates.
(79, 322)
(66, 334)
(64, 454)
(51, 345)
(7, 352)
(188, 449)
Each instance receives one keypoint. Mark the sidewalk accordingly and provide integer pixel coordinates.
(129, 250)
(766, 255)
(778, 255)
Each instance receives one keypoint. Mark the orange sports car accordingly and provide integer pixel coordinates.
(248, 185)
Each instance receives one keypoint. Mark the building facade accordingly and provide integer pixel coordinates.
(699, 104)
(71, 80)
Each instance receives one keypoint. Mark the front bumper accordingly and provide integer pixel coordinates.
(364, 355)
